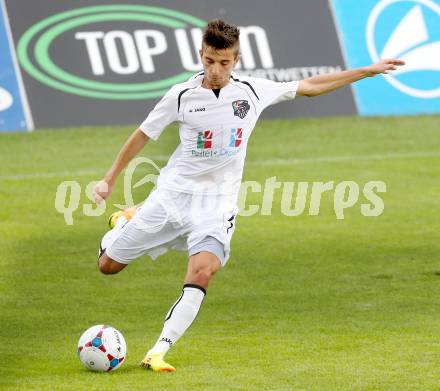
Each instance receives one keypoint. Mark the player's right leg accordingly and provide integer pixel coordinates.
(205, 260)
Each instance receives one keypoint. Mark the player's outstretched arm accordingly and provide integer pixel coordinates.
(322, 84)
(130, 149)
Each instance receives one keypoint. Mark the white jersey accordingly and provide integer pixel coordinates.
(214, 131)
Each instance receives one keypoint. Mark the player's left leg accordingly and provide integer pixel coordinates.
(201, 268)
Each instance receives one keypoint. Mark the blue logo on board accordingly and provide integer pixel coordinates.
(12, 110)
(405, 29)
(6, 99)
(415, 38)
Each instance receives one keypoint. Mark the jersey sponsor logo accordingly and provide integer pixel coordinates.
(205, 144)
(241, 108)
(223, 152)
(204, 140)
(236, 137)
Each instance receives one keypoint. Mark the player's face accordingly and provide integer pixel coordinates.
(218, 65)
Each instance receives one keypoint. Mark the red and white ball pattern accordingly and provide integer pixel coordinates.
(102, 348)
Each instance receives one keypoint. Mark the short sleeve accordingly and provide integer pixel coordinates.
(163, 114)
(271, 92)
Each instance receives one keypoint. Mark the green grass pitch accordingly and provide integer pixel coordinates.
(305, 303)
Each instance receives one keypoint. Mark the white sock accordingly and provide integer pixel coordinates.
(179, 317)
(113, 234)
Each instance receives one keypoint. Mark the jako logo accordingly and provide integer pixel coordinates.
(6, 99)
(136, 41)
(415, 39)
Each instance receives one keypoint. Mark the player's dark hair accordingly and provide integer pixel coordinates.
(221, 35)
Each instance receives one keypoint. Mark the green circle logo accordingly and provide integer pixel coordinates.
(45, 32)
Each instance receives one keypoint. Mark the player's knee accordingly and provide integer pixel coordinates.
(106, 265)
(202, 276)
(103, 266)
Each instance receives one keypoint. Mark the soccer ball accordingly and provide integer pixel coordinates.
(102, 348)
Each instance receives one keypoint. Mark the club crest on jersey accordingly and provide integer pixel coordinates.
(236, 137)
(204, 140)
(241, 108)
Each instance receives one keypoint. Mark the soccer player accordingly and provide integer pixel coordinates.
(193, 207)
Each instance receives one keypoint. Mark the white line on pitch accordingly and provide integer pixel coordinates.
(267, 162)
(283, 161)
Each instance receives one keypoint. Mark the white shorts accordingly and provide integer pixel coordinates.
(178, 221)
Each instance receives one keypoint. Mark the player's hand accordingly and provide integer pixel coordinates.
(383, 67)
(102, 191)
